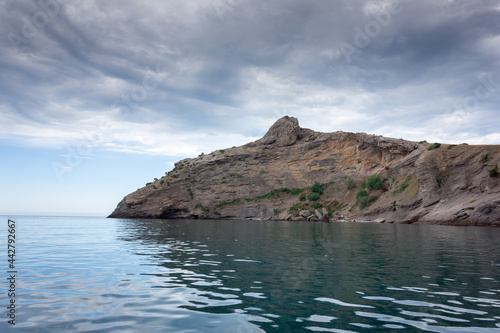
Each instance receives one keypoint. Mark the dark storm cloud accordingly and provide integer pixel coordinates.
(223, 67)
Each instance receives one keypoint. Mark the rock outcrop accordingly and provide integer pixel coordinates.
(274, 178)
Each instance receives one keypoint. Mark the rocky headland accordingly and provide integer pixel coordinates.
(294, 173)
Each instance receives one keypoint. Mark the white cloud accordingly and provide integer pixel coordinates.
(224, 82)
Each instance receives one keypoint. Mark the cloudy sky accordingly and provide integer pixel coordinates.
(99, 97)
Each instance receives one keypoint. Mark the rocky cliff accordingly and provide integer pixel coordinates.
(293, 173)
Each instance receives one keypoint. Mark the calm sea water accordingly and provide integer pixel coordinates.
(122, 275)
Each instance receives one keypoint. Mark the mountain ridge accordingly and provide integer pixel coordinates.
(295, 173)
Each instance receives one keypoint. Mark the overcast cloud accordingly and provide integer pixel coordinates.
(178, 77)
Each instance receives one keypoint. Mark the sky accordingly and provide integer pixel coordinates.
(97, 98)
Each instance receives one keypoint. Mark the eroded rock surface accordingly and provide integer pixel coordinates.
(272, 178)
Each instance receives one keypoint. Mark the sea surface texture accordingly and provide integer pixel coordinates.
(122, 275)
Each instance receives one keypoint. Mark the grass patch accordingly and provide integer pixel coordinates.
(203, 208)
(276, 193)
(228, 203)
(233, 175)
(334, 206)
(351, 184)
(404, 185)
(296, 208)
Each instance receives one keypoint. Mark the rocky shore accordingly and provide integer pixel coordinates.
(294, 173)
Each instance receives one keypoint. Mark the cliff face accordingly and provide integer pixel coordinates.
(274, 177)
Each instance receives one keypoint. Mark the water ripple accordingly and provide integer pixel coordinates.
(81, 275)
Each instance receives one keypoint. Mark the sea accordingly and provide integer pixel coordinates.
(93, 274)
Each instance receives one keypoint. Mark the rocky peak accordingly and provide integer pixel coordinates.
(284, 132)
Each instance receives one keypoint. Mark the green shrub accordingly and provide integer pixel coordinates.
(276, 211)
(318, 188)
(317, 205)
(361, 194)
(311, 137)
(434, 146)
(442, 179)
(375, 182)
(363, 199)
(350, 184)
(314, 196)
(494, 171)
